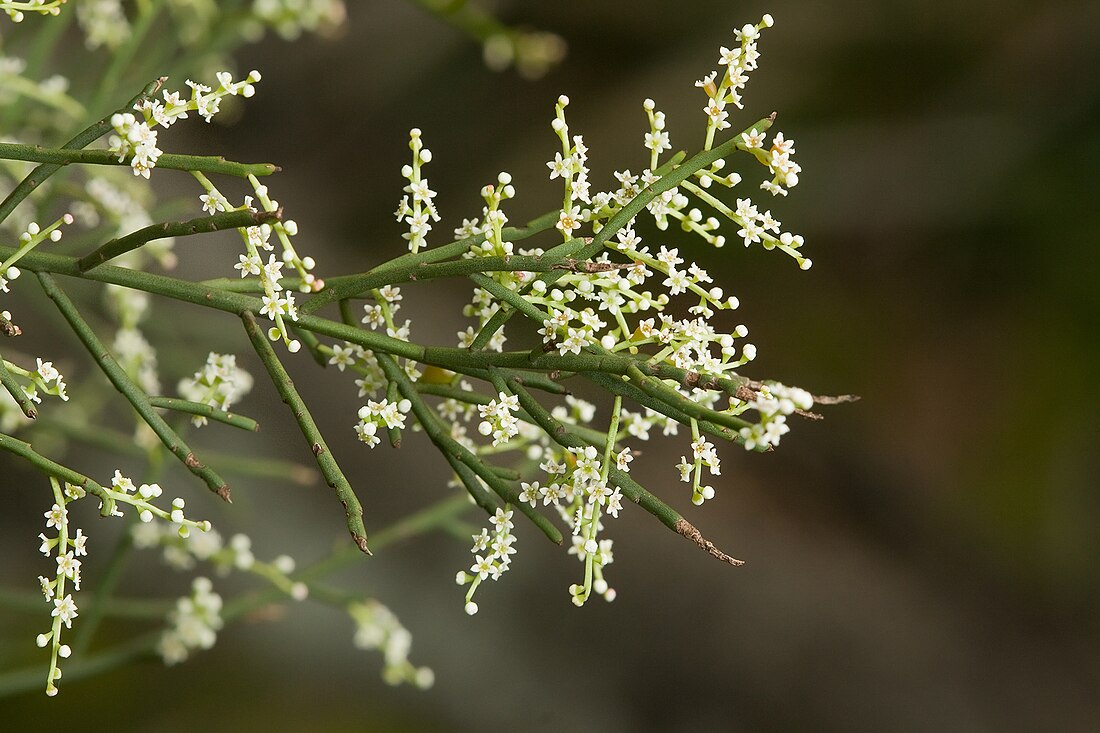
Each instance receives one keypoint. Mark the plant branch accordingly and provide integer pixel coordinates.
(208, 411)
(335, 478)
(131, 391)
(200, 225)
(59, 157)
(16, 391)
(338, 288)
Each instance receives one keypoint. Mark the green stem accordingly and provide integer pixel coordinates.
(346, 287)
(325, 461)
(209, 411)
(200, 225)
(65, 156)
(131, 391)
(455, 359)
(16, 391)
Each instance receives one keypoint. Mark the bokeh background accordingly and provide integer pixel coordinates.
(924, 559)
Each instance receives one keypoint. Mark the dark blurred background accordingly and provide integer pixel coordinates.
(925, 559)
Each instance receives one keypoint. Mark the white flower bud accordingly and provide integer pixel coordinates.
(471, 608)
(425, 156)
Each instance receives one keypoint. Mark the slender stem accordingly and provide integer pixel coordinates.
(456, 268)
(85, 137)
(352, 285)
(66, 156)
(200, 225)
(325, 461)
(131, 391)
(209, 411)
(16, 391)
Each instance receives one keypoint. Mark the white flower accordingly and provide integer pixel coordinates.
(65, 609)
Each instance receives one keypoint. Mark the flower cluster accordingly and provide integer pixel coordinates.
(67, 547)
(376, 627)
(136, 138)
(44, 379)
(103, 22)
(421, 211)
(195, 621)
(498, 419)
(65, 550)
(773, 403)
(703, 454)
(289, 18)
(219, 383)
(570, 166)
(130, 348)
(384, 414)
(492, 555)
(278, 302)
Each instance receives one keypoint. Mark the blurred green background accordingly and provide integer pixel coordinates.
(924, 559)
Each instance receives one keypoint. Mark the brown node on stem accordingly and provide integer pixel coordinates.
(687, 529)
